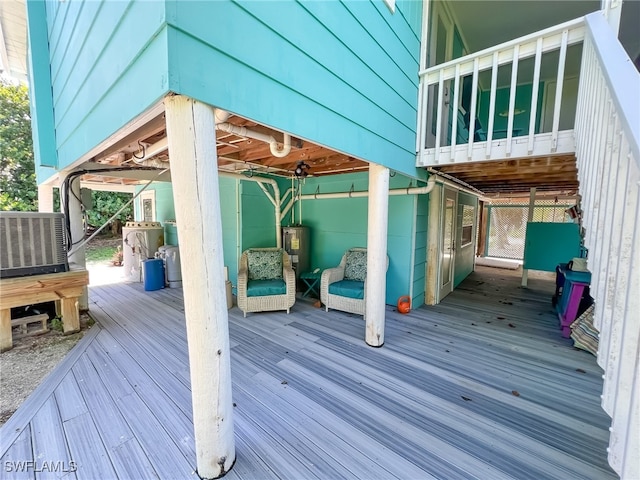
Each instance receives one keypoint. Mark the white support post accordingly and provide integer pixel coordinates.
(45, 198)
(196, 195)
(532, 204)
(376, 287)
(78, 259)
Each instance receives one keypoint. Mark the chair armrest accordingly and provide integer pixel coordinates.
(243, 277)
(329, 276)
(289, 277)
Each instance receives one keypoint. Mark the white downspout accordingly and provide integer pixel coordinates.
(275, 199)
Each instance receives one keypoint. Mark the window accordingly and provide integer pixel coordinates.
(468, 218)
(148, 206)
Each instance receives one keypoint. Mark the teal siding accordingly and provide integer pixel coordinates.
(42, 121)
(338, 224)
(258, 217)
(420, 251)
(108, 65)
(465, 256)
(343, 75)
(230, 225)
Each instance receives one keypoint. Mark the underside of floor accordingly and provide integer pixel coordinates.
(480, 386)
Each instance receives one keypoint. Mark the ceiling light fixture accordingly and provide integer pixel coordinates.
(302, 169)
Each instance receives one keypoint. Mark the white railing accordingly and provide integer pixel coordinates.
(607, 138)
(437, 83)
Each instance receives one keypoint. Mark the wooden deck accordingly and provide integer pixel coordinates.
(481, 386)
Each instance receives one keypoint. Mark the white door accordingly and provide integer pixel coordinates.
(448, 247)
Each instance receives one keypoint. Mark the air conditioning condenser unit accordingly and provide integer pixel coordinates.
(32, 243)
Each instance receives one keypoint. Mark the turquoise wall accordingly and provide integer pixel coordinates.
(465, 256)
(229, 190)
(338, 224)
(258, 217)
(108, 64)
(343, 75)
(42, 120)
(335, 225)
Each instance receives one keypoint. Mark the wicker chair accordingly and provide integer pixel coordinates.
(349, 283)
(266, 281)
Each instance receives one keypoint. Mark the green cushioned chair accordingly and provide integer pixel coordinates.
(266, 281)
(343, 287)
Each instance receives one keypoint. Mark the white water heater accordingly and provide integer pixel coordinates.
(140, 241)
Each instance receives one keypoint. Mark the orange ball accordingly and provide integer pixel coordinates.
(404, 304)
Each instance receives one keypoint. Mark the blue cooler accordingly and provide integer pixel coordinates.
(153, 273)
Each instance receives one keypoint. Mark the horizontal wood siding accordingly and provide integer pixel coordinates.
(343, 75)
(42, 121)
(108, 65)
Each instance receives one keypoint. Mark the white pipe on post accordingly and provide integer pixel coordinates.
(196, 195)
(376, 284)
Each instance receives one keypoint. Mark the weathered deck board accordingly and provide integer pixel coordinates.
(313, 401)
(49, 444)
(86, 448)
(15, 459)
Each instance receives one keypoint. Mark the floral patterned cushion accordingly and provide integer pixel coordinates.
(264, 264)
(356, 265)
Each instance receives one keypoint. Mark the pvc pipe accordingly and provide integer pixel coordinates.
(220, 115)
(431, 183)
(263, 137)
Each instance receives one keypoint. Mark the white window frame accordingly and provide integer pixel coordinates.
(148, 195)
(463, 226)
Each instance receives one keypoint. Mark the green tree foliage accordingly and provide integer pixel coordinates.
(105, 204)
(18, 189)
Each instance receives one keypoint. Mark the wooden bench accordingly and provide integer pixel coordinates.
(63, 288)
